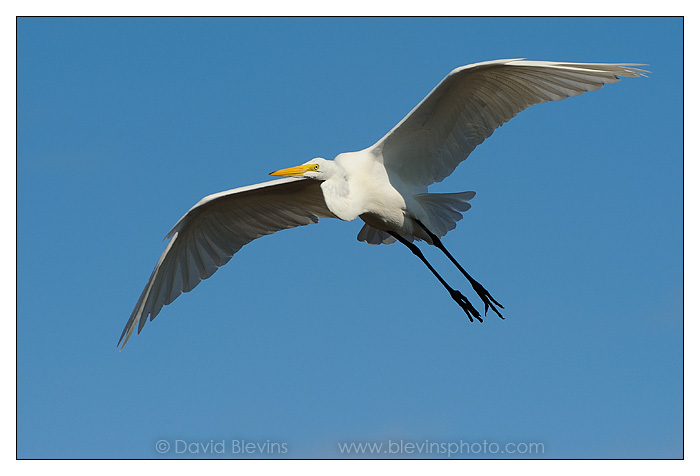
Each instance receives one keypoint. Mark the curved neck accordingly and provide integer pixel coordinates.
(337, 193)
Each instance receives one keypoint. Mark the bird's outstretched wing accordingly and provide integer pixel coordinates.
(473, 101)
(216, 228)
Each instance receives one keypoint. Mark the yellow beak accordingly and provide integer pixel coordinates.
(297, 171)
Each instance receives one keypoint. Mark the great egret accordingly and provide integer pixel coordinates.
(386, 185)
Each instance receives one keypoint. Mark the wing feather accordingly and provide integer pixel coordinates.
(473, 101)
(215, 229)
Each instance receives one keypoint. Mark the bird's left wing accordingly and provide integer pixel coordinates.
(216, 228)
(473, 101)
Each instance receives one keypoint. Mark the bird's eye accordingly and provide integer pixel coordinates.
(315, 167)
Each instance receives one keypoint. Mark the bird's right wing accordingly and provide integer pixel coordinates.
(473, 101)
(216, 228)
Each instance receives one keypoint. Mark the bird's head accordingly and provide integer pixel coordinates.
(318, 168)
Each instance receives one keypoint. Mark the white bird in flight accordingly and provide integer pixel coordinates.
(386, 185)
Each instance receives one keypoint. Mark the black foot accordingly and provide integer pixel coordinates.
(486, 297)
(466, 306)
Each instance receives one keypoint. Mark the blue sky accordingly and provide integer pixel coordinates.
(308, 338)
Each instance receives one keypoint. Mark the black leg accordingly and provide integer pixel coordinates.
(485, 296)
(456, 295)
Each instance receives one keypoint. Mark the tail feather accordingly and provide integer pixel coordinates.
(443, 210)
(374, 237)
